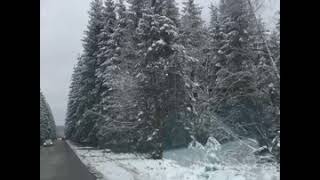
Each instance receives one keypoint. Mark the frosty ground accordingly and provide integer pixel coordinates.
(232, 161)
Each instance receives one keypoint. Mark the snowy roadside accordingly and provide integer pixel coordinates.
(176, 165)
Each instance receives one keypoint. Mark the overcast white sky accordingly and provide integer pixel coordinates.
(62, 23)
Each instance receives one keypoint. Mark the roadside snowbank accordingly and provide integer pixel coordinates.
(193, 163)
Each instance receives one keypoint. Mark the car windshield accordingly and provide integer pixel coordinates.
(160, 90)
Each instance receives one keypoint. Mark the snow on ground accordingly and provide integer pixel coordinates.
(196, 162)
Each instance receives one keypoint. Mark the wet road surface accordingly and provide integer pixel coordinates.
(58, 162)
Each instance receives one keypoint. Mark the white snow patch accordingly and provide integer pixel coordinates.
(271, 85)
(161, 42)
(196, 84)
(213, 144)
(191, 163)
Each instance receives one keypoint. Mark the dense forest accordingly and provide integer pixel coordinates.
(152, 77)
(47, 124)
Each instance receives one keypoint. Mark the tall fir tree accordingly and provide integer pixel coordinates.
(117, 99)
(191, 25)
(238, 97)
(88, 91)
(161, 64)
(136, 8)
(106, 50)
(195, 38)
(44, 131)
(47, 123)
(73, 115)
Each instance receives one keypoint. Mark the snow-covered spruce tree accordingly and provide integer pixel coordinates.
(96, 99)
(134, 13)
(51, 124)
(88, 92)
(238, 99)
(74, 99)
(136, 8)
(105, 53)
(235, 92)
(117, 109)
(47, 124)
(122, 37)
(148, 130)
(43, 120)
(169, 8)
(202, 74)
(191, 25)
(267, 73)
(117, 128)
(275, 41)
(210, 64)
(269, 84)
(161, 63)
(104, 67)
(195, 38)
(176, 96)
(193, 35)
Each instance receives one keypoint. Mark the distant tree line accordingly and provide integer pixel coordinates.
(151, 78)
(47, 124)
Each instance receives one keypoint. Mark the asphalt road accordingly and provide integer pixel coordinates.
(59, 162)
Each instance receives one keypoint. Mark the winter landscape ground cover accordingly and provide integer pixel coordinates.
(232, 161)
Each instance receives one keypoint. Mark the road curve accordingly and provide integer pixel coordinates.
(59, 162)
